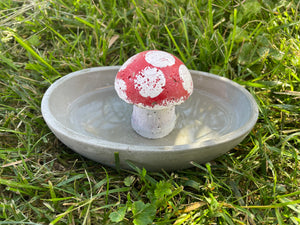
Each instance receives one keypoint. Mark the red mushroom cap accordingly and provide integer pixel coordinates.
(154, 80)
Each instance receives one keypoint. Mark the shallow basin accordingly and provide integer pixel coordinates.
(84, 112)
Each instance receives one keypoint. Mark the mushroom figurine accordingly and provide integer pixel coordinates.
(154, 82)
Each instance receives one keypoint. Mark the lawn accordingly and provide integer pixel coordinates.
(254, 43)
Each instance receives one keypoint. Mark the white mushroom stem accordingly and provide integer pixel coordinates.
(151, 123)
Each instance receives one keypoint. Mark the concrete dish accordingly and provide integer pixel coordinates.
(84, 112)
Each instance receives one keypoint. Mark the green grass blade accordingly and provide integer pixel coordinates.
(278, 205)
(182, 56)
(231, 40)
(57, 34)
(210, 17)
(10, 183)
(187, 42)
(7, 61)
(140, 41)
(34, 54)
(84, 22)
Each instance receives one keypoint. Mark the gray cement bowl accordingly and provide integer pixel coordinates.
(84, 112)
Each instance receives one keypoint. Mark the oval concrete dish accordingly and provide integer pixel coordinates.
(84, 112)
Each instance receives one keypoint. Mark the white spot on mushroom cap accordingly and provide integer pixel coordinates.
(159, 58)
(186, 78)
(150, 82)
(120, 87)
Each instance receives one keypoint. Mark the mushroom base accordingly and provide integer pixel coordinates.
(151, 123)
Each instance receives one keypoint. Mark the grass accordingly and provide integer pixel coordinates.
(255, 43)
